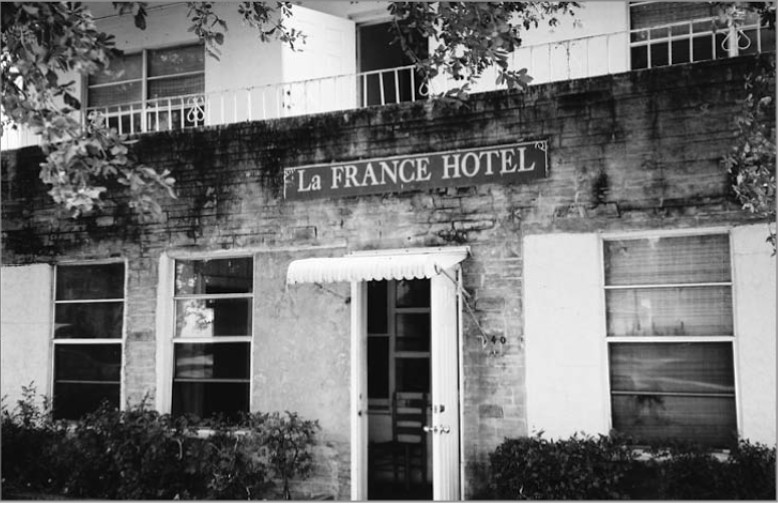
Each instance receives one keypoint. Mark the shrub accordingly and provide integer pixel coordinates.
(575, 468)
(31, 443)
(606, 468)
(142, 454)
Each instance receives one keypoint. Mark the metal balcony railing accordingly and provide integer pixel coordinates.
(378, 87)
(670, 44)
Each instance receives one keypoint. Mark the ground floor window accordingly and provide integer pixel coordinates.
(670, 338)
(88, 332)
(213, 301)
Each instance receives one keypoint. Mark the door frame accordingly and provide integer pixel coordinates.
(446, 286)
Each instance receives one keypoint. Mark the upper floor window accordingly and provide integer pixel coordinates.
(212, 336)
(670, 33)
(88, 331)
(670, 338)
(155, 89)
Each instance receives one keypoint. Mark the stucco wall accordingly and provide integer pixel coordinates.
(25, 330)
(564, 329)
(632, 151)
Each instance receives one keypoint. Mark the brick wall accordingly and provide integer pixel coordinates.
(633, 151)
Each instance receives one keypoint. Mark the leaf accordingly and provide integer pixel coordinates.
(71, 101)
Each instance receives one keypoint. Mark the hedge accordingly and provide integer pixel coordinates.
(606, 467)
(142, 454)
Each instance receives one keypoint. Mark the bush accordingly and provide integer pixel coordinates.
(142, 454)
(607, 468)
(31, 442)
(575, 468)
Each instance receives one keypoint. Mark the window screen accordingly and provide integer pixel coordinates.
(670, 332)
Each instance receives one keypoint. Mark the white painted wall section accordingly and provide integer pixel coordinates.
(25, 328)
(755, 332)
(564, 337)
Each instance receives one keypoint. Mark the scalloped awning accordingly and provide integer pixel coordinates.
(369, 267)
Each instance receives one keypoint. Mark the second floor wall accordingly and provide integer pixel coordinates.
(166, 80)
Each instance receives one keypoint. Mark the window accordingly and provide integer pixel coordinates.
(398, 344)
(670, 338)
(212, 336)
(88, 331)
(670, 33)
(159, 89)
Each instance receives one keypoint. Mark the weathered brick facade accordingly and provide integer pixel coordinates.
(640, 150)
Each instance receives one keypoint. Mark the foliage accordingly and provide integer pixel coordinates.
(576, 468)
(470, 37)
(609, 468)
(142, 454)
(89, 165)
(751, 162)
(41, 42)
(30, 439)
(287, 439)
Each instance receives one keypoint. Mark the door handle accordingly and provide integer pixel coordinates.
(434, 429)
(445, 429)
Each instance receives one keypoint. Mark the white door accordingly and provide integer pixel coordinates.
(445, 387)
(320, 74)
(444, 428)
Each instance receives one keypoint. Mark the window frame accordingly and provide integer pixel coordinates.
(53, 341)
(607, 340)
(143, 107)
(166, 322)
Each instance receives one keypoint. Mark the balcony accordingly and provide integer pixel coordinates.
(603, 54)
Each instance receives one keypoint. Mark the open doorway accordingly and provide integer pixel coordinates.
(398, 384)
(377, 53)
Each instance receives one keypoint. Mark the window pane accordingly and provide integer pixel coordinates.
(680, 52)
(213, 317)
(208, 399)
(99, 281)
(115, 95)
(123, 68)
(89, 320)
(376, 307)
(74, 400)
(695, 259)
(212, 360)
(228, 275)
(681, 311)
(378, 367)
(649, 418)
(413, 332)
(672, 367)
(88, 362)
(175, 86)
(176, 60)
(704, 47)
(639, 57)
(412, 374)
(413, 293)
